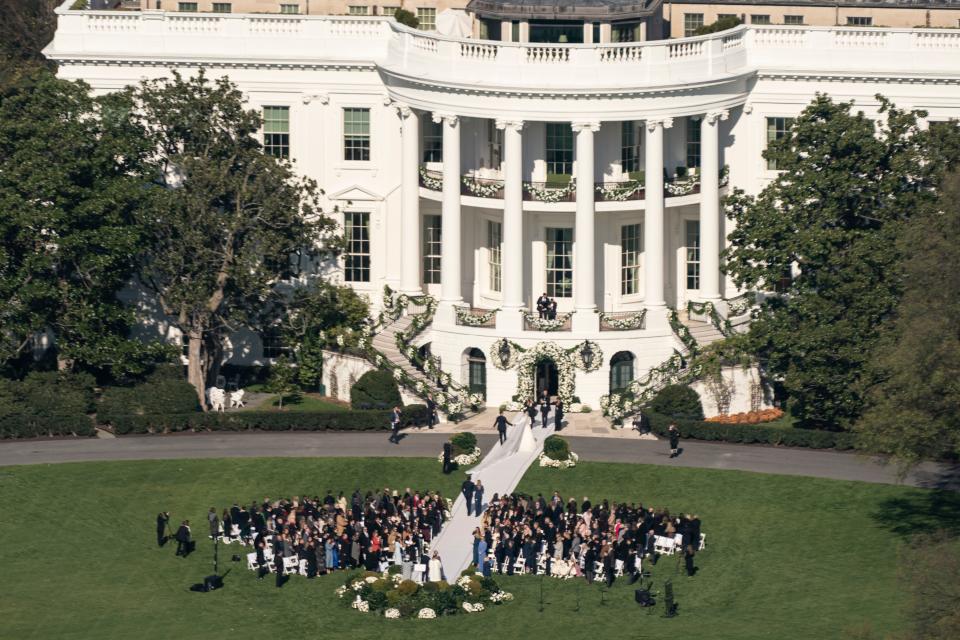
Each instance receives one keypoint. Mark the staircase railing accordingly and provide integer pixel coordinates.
(708, 311)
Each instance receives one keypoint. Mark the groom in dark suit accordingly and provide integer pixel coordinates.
(467, 490)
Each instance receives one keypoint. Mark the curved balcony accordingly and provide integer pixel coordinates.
(544, 192)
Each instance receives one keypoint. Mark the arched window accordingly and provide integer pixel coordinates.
(621, 370)
(476, 363)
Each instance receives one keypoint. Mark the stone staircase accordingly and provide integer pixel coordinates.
(703, 332)
(386, 343)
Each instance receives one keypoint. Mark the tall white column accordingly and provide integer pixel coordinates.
(410, 201)
(710, 244)
(653, 214)
(584, 288)
(450, 219)
(512, 255)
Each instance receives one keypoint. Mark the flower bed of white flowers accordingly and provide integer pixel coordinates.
(547, 461)
(464, 459)
(395, 598)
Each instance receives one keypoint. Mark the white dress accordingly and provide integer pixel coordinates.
(397, 553)
(434, 570)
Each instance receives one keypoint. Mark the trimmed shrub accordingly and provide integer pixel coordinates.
(46, 404)
(165, 391)
(375, 390)
(556, 448)
(463, 443)
(755, 434)
(679, 402)
(250, 420)
(414, 414)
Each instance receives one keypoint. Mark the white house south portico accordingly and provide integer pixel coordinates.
(484, 173)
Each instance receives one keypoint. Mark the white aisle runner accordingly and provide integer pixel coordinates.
(500, 472)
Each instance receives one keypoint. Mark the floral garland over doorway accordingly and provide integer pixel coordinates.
(506, 354)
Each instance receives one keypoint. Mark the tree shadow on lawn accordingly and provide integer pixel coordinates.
(920, 512)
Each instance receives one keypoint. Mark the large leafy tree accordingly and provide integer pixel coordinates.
(914, 399)
(846, 185)
(68, 229)
(225, 217)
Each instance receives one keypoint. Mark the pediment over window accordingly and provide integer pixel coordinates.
(356, 193)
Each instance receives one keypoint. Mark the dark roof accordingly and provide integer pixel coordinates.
(563, 9)
(878, 4)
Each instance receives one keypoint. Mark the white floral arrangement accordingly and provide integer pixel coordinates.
(360, 605)
(482, 189)
(430, 182)
(370, 579)
(546, 461)
(630, 323)
(551, 194)
(427, 614)
(619, 191)
(546, 324)
(576, 407)
(467, 319)
(341, 591)
(500, 597)
(464, 459)
(525, 361)
(464, 582)
(392, 614)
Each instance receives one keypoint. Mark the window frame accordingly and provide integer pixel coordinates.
(760, 18)
(791, 20)
(188, 7)
(494, 256)
(358, 10)
(431, 134)
(422, 14)
(859, 21)
(689, 20)
(272, 345)
(431, 238)
(691, 254)
(222, 7)
(279, 147)
(777, 134)
(290, 9)
(349, 149)
(354, 247)
(630, 148)
(557, 156)
(631, 248)
(559, 286)
(692, 144)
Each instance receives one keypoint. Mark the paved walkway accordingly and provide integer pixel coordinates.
(708, 455)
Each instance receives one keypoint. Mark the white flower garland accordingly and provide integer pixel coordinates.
(464, 459)
(545, 324)
(500, 597)
(629, 323)
(430, 182)
(467, 319)
(619, 191)
(566, 360)
(551, 194)
(482, 189)
(547, 461)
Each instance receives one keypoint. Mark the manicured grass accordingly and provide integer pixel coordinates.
(305, 402)
(786, 557)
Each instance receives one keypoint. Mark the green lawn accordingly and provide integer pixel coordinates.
(786, 557)
(305, 402)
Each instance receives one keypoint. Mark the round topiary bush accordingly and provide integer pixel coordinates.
(375, 390)
(463, 443)
(556, 448)
(679, 402)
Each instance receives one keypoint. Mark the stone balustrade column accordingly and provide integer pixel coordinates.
(653, 225)
(410, 201)
(710, 223)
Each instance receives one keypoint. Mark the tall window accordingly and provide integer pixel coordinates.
(432, 232)
(693, 254)
(222, 7)
(273, 346)
(187, 6)
(629, 146)
(358, 10)
(621, 370)
(630, 243)
(691, 22)
(289, 8)
(495, 253)
(495, 138)
(560, 263)
(859, 21)
(390, 9)
(792, 19)
(559, 149)
(276, 131)
(776, 129)
(357, 254)
(432, 139)
(427, 17)
(356, 134)
(693, 143)
(759, 18)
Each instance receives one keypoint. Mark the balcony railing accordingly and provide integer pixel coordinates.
(533, 322)
(471, 317)
(623, 320)
(622, 191)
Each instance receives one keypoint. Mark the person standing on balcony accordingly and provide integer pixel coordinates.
(552, 309)
(543, 305)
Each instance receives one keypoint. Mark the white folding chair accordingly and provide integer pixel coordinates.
(703, 542)
(618, 569)
(252, 561)
(638, 563)
(678, 542)
(520, 565)
(291, 565)
(303, 568)
(419, 570)
(598, 571)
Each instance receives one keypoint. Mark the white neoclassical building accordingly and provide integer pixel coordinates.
(486, 173)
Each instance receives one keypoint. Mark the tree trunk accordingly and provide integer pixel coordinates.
(196, 373)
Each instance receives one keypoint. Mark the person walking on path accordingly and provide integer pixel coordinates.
(163, 519)
(214, 523)
(558, 415)
(447, 454)
(467, 490)
(183, 539)
(431, 412)
(532, 412)
(478, 498)
(544, 410)
(501, 424)
(674, 435)
(395, 426)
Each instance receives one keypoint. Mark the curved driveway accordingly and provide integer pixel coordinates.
(706, 455)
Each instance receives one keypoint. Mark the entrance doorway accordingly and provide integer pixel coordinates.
(547, 377)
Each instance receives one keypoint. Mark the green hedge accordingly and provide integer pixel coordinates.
(163, 392)
(46, 404)
(755, 434)
(556, 448)
(375, 390)
(249, 420)
(26, 426)
(463, 443)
